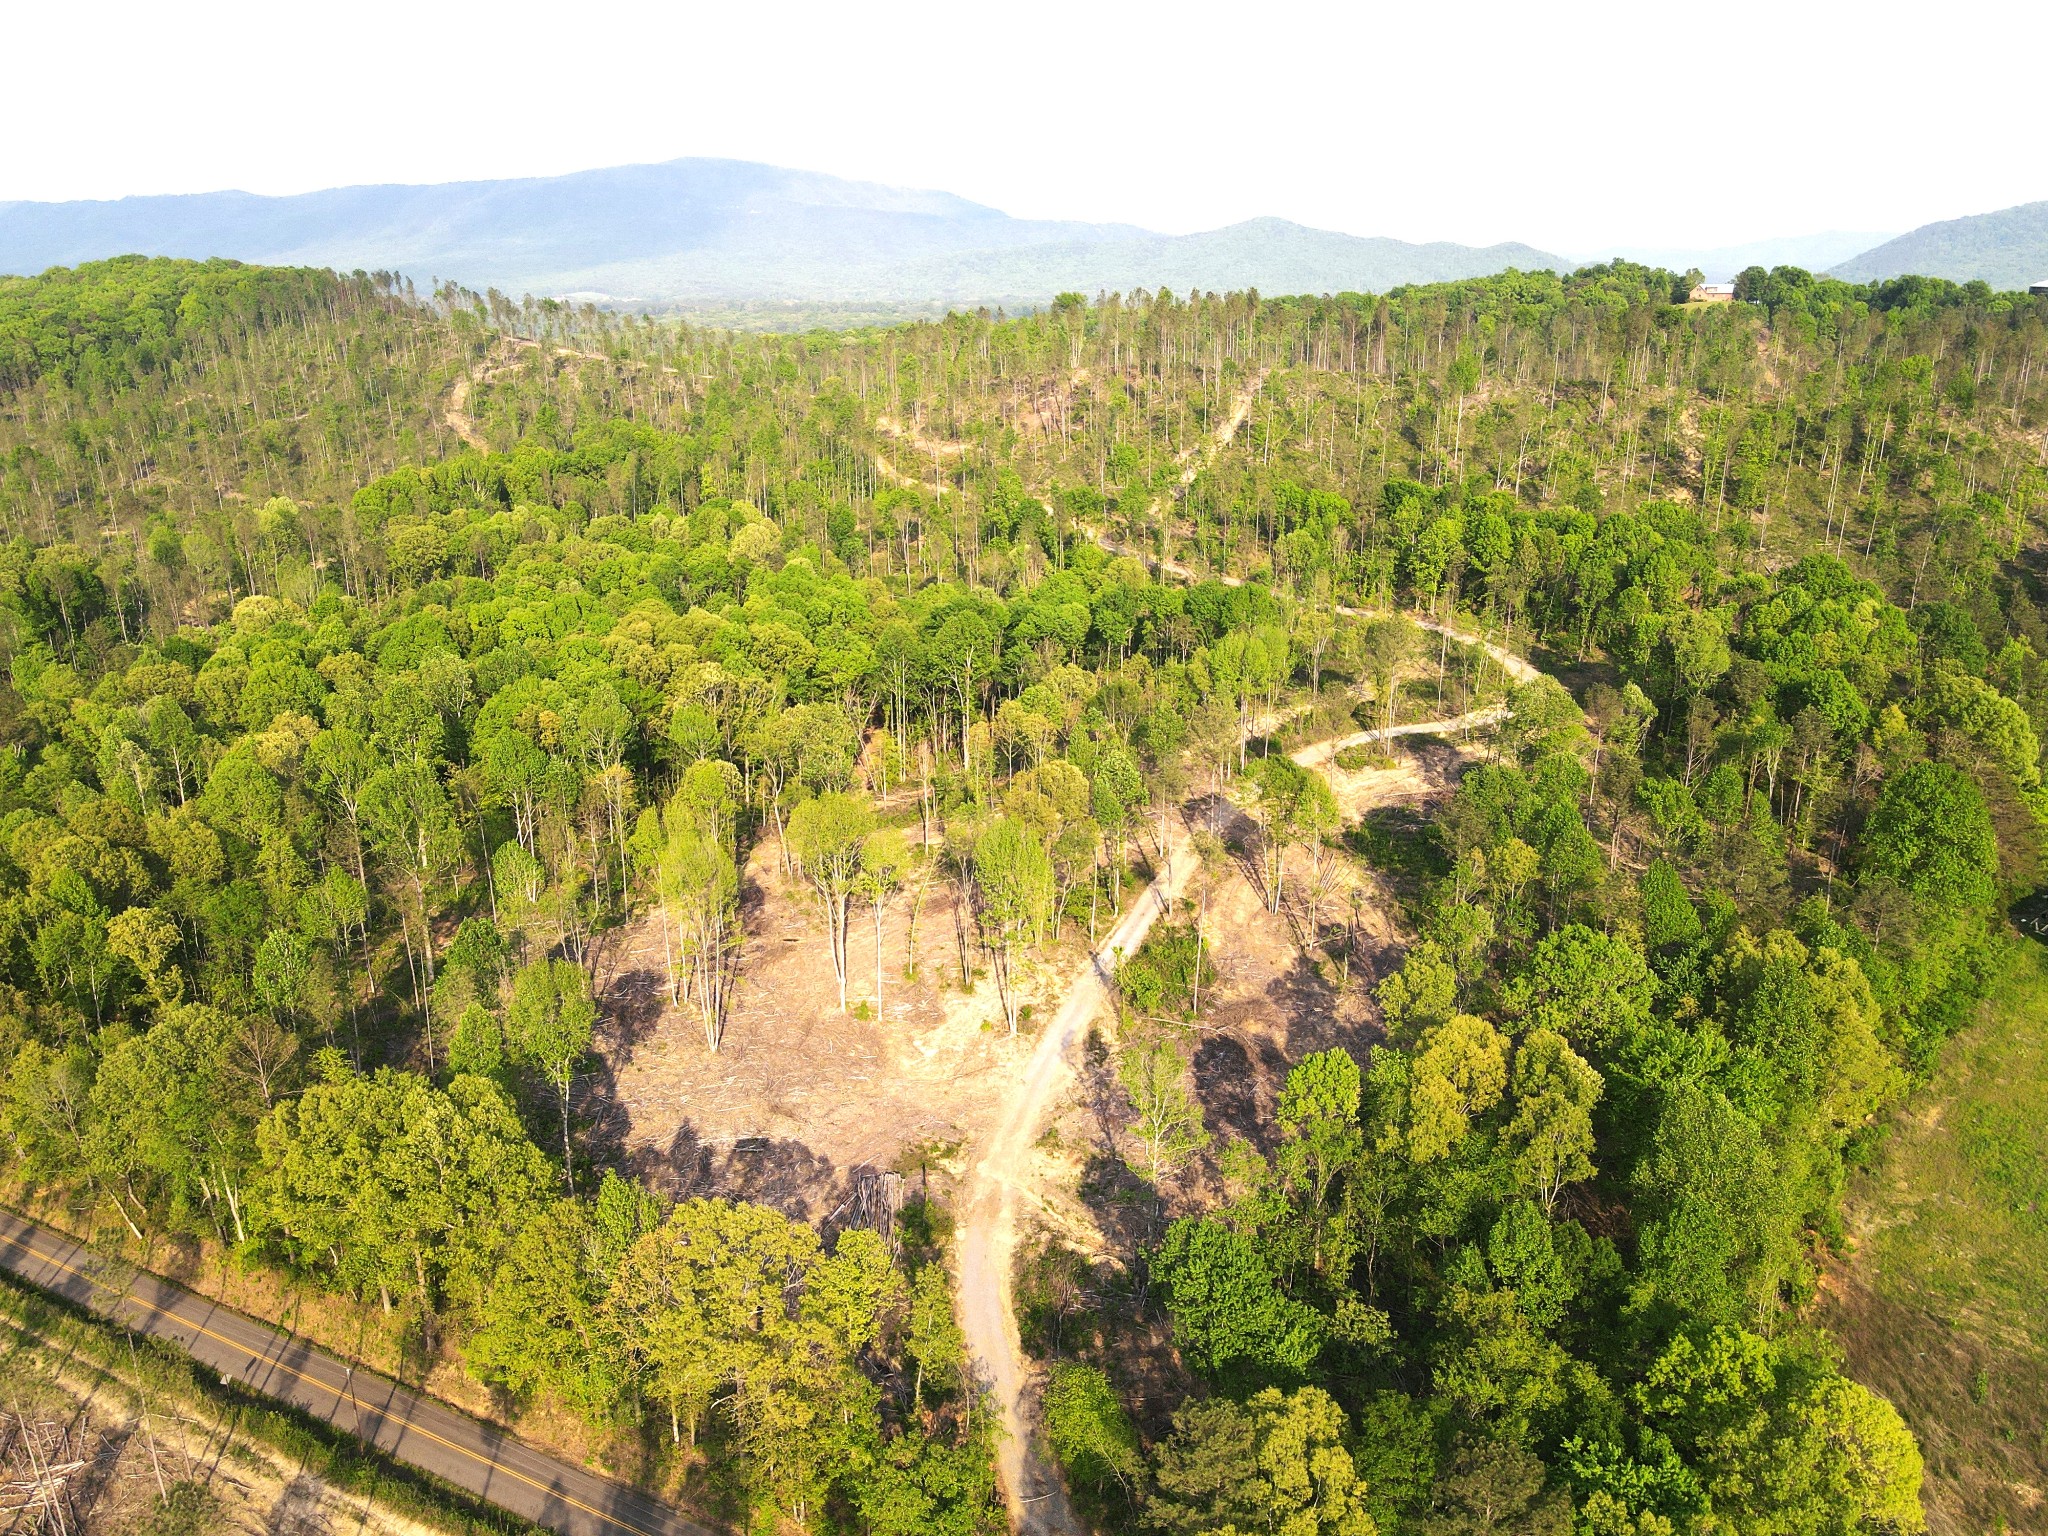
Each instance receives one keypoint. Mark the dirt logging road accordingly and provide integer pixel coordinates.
(1320, 754)
(453, 1447)
(999, 1185)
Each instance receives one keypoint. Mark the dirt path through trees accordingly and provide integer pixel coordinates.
(460, 422)
(998, 1186)
(996, 1190)
(1032, 1485)
(503, 354)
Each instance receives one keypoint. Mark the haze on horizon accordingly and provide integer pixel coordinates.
(1474, 121)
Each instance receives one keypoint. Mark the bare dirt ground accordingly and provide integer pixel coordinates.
(1274, 1000)
(914, 434)
(1002, 1184)
(1419, 771)
(1272, 1003)
(460, 422)
(504, 356)
(801, 1101)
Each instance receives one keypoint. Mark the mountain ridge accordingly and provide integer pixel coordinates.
(2007, 248)
(701, 231)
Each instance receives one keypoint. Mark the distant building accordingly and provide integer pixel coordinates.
(1713, 293)
(2040, 289)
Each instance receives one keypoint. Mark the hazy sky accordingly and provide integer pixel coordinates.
(1569, 125)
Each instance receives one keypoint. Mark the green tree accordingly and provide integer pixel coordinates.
(1231, 1320)
(883, 859)
(827, 835)
(1154, 1075)
(1783, 1445)
(932, 1334)
(1089, 1430)
(1669, 919)
(407, 812)
(1554, 1094)
(1318, 1115)
(538, 1328)
(1117, 792)
(1495, 1488)
(1277, 1463)
(392, 1184)
(1461, 1069)
(696, 882)
(1013, 878)
(549, 1026)
(701, 1300)
(1282, 797)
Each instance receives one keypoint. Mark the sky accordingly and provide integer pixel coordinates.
(1574, 126)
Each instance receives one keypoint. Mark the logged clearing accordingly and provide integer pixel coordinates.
(801, 1101)
(1941, 1307)
(1420, 770)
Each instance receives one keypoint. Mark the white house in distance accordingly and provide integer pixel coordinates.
(2040, 289)
(1713, 293)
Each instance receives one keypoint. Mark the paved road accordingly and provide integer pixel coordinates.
(457, 1449)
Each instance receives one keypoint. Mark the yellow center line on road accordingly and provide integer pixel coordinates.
(404, 1426)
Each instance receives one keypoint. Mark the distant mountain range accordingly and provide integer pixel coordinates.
(720, 232)
(732, 236)
(2007, 249)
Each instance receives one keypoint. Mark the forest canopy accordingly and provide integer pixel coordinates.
(373, 658)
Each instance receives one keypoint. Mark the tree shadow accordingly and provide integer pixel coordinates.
(1125, 1207)
(1227, 1083)
(1309, 1009)
(1437, 759)
(600, 1118)
(1101, 1090)
(1400, 843)
(630, 1008)
(780, 1172)
(298, 1510)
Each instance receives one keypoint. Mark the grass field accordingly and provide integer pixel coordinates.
(1944, 1305)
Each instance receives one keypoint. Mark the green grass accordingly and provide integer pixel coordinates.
(1942, 1308)
(1962, 1229)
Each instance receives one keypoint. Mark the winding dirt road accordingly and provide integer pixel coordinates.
(999, 1188)
(997, 1184)
(996, 1191)
(502, 355)
(460, 422)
